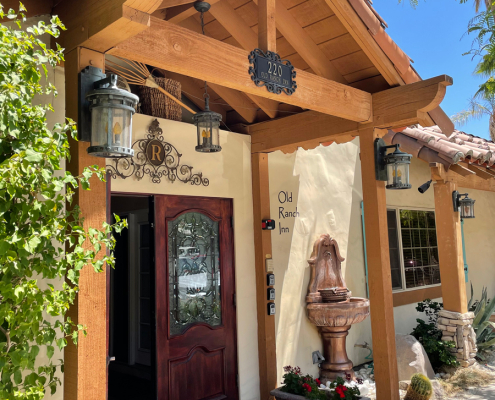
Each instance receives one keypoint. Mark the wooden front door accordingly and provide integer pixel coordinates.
(196, 354)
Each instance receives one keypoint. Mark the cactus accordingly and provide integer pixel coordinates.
(419, 389)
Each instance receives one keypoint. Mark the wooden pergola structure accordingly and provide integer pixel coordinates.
(352, 81)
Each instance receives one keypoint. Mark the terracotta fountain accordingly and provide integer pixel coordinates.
(331, 307)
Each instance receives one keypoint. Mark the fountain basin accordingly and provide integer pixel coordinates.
(339, 314)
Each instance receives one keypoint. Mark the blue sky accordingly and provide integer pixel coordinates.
(431, 35)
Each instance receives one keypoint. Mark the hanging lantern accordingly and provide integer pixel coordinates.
(393, 167)
(111, 119)
(465, 206)
(208, 127)
(207, 122)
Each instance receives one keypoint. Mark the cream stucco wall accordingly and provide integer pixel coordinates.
(229, 173)
(325, 186)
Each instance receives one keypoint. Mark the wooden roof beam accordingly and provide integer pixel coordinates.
(174, 48)
(237, 27)
(396, 107)
(100, 25)
(267, 30)
(194, 93)
(471, 181)
(180, 13)
(304, 45)
(409, 104)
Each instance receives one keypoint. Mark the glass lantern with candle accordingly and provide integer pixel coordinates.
(111, 119)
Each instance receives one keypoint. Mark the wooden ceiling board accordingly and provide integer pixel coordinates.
(352, 62)
(339, 47)
(216, 30)
(310, 12)
(207, 17)
(326, 29)
(249, 12)
(291, 3)
(362, 74)
(238, 3)
(372, 85)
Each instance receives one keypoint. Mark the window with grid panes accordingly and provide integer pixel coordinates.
(413, 248)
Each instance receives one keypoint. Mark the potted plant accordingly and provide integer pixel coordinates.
(297, 386)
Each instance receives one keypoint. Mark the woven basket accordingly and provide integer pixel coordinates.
(156, 104)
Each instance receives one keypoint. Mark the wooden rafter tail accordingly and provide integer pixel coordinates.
(138, 74)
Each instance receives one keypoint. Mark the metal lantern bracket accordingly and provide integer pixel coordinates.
(86, 82)
(380, 153)
(456, 199)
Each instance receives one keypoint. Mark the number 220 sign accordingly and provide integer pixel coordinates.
(269, 70)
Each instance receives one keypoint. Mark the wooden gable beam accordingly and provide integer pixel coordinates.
(174, 48)
(98, 25)
(304, 45)
(237, 27)
(396, 107)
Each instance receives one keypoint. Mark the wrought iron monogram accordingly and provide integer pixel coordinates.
(157, 158)
(269, 70)
(194, 272)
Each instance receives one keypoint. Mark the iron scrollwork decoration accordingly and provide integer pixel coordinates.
(269, 70)
(157, 158)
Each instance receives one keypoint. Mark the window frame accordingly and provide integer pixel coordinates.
(401, 249)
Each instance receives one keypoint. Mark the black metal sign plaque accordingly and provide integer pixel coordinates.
(269, 70)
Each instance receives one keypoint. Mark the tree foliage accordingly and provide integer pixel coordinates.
(41, 240)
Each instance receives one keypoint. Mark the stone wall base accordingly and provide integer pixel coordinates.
(457, 328)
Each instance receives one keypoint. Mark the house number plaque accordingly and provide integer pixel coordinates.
(267, 69)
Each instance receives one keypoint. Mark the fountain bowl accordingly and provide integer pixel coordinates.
(339, 314)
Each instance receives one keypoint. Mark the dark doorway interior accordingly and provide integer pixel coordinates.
(131, 375)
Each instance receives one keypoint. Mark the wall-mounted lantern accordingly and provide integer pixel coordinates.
(393, 167)
(105, 114)
(465, 206)
(207, 122)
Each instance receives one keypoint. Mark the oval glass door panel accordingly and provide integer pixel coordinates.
(194, 272)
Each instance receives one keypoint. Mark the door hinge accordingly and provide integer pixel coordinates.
(152, 225)
(231, 222)
(235, 300)
(237, 380)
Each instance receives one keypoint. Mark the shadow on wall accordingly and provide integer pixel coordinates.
(328, 194)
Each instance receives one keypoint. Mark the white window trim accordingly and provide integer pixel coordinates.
(401, 250)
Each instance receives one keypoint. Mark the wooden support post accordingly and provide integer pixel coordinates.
(449, 238)
(379, 274)
(267, 31)
(263, 247)
(85, 375)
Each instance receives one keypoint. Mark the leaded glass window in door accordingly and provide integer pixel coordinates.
(194, 272)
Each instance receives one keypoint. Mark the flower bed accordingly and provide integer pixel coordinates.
(298, 387)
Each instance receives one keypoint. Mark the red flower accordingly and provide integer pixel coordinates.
(340, 390)
(307, 387)
(317, 381)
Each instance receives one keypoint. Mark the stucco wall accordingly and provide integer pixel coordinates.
(229, 173)
(325, 186)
